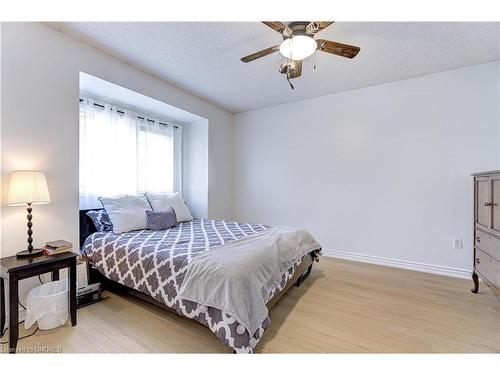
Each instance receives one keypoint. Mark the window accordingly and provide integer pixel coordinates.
(125, 152)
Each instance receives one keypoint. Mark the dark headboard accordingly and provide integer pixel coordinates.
(87, 227)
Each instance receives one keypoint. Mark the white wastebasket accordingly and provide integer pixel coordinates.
(47, 304)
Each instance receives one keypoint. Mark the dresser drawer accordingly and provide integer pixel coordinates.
(487, 243)
(488, 267)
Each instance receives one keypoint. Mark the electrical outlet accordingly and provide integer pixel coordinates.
(458, 243)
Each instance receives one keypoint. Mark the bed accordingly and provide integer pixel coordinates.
(152, 265)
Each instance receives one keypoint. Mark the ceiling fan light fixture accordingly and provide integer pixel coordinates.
(298, 47)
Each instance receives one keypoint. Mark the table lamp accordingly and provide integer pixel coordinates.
(28, 187)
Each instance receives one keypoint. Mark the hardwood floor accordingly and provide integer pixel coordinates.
(344, 307)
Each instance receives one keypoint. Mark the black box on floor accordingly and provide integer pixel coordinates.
(88, 295)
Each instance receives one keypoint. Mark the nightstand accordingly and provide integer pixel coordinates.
(14, 269)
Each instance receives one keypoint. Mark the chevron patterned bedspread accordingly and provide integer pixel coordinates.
(155, 263)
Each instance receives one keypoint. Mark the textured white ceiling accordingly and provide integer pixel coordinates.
(204, 57)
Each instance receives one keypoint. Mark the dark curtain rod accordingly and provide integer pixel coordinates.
(139, 117)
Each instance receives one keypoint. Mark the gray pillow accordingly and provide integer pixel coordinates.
(159, 220)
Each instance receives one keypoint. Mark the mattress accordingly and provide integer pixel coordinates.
(156, 262)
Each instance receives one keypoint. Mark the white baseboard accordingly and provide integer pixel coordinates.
(405, 264)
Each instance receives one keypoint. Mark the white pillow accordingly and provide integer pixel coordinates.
(162, 202)
(126, 213)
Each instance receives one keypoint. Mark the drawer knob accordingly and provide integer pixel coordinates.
(487, 204)
(478, 239)
(477, 261)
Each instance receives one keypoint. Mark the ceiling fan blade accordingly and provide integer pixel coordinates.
(296, 69)
(257, 55)
(340, 49)
(316, 26)
(279, 27)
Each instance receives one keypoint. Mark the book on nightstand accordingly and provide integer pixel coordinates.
(57, 247)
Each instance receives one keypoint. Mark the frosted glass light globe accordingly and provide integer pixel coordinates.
(298, 47)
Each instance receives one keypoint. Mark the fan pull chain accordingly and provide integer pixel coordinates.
(314, 60)
(292, 63)
(288, 79)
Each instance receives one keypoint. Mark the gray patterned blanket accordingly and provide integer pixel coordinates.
(156, 262)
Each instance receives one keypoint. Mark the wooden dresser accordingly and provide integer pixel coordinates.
(487, 230)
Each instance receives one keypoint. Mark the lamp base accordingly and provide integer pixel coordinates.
(27, 253)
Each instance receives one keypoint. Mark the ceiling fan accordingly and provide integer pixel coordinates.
(299, 43)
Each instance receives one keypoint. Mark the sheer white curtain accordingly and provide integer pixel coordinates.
(155, 156)
(121, 153)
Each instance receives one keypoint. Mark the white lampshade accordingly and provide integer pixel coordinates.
(27, 187)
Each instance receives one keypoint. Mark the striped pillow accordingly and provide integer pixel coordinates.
(159, 220)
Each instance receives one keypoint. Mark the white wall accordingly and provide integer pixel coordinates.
(381, 171)
(195, 167)
(40, 74)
